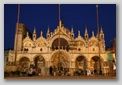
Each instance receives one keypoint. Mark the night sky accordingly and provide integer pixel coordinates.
(72, 15)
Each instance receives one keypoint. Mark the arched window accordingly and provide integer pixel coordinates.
(60, 43)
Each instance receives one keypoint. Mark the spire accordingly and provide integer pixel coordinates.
(72, 32)
(78, 33)
(101, 30)
(92, 33)
(48, 32)
(101, 33)
(41, 34)
(97, 35)
(34, 34)
(34, 31)
(27, 35)
(60, 24)
(86, 33)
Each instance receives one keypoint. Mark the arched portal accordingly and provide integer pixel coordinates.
(96, 64)
(24, 64)
(81, 63)
(39, 62)
(60, 63)
(60, 43)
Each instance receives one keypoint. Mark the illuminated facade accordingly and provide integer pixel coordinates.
(60, 49)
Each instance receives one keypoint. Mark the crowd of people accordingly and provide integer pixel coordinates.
(53, 71)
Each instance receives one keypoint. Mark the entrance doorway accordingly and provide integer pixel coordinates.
(60, 64)
(96, 63)
(81, 65)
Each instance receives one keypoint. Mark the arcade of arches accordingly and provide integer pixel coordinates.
(60, 63)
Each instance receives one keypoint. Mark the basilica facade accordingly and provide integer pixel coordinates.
(60, 49)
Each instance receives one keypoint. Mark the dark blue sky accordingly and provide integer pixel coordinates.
(72, 15)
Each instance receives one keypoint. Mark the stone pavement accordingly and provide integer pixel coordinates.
(61, 78)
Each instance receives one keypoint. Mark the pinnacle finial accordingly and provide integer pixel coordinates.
(86, 32)
(34, 31)
(41, 33)
(78, 33)
(60, 23)
(72, 30)
(92, 33)
(48, 31)
(27, 34)
(101, 30)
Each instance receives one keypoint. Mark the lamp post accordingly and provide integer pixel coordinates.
(99, 70)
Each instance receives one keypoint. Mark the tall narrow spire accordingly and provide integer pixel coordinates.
(34, 34)
(48, 32)
(86, 33)
(60, 24)
(101, 30)
(27, 35)
(34, 31)
(78, 33)
(41, 34)
(101, 33)
(72, 32)
(92, 33)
